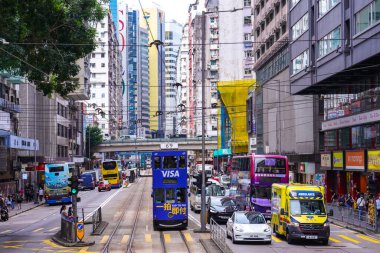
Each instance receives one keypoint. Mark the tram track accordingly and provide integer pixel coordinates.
(126, 207)
(182, 236)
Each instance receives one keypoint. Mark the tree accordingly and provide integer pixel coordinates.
(46, 38)
(96, 137)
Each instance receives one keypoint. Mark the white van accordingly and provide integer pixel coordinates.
(208, 169)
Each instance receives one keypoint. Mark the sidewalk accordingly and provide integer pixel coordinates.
(353, 228)
(25, 206)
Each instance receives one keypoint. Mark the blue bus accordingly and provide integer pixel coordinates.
(170, 208)
(57, 189)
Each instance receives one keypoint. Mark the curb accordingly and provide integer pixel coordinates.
(56, 238)
(355, 229)
(209, 246)
(23, 211)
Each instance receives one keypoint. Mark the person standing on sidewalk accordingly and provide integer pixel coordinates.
(19, 200)
(361, 204)
(41, 194)
(377, 204)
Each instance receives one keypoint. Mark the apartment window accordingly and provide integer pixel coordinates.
(103, 65)
(330, 42)
(93, 95)
(300, 62)
(93, 75)
(103, 95)
(103, 85)
(103, 126)
(293, 3)
(300, 27)
(247, 36)
(212, 20)
(248, 53)
(326, 5)
(247, 71)
(103, 105)
(247, 3)
(330, 139)
(368, 16)
(102, 55)
(102, 25)
(92, 65)
(247, 20)
(168, 35)
(93, 55)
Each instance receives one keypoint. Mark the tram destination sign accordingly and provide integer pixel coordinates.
(169, 145)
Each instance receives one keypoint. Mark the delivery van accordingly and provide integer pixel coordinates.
(299, 212)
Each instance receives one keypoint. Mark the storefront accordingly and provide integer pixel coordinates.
(373, 161)
(355, 172)
(306, 172)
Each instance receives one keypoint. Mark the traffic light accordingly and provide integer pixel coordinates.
(73, 184)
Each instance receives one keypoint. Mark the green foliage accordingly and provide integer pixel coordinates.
(96, 137)
(50, 35)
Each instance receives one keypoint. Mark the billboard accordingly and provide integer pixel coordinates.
(355, 161)
(338, 160)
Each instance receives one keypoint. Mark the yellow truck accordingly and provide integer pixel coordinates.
(299, 212)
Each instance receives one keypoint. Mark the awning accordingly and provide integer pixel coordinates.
(222, 152)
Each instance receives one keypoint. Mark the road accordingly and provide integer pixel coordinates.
(129, 213)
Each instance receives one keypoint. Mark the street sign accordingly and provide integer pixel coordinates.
(80, 230)
(169, 145)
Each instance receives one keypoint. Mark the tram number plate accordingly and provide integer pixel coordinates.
(311, 237)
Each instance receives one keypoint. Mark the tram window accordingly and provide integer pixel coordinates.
(170, 162)
(157, 162)
(182, 161)
(159, 195)
(170, 195)
(181, 195)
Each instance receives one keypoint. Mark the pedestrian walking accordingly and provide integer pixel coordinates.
(41, 194)
(360, 204)
(377, 204)
(371, 212)
(349, 201)
(19, 200)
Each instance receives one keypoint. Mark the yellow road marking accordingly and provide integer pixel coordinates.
(334, 225)
(6, 231)
(36, 230)
(148, 238)
(188, 237)
(125, 239)
(13, 247)
(349, 239)
(52, 244)
(276, 239)
(334, 240)
(104, 239)
(167, 238)
(367, 238)
(14, 241)
(56, 228)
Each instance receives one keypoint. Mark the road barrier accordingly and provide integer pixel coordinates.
(68, 231)
(96, 219)
(354, 217)
(219, 235)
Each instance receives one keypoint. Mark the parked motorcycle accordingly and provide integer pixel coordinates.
(4, 214)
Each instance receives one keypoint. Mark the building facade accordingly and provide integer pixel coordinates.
(336, 58)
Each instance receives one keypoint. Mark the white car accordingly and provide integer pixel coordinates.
(248, 226)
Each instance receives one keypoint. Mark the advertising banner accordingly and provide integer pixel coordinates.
(326, 161)
(355, 161)
(338, 160)
(373, 160)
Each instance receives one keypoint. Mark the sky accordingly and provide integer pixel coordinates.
(174, 9)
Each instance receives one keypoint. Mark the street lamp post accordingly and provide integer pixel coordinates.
(35, 149)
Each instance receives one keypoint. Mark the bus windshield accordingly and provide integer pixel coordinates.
(56, 169)
(261, 192)
(111, 165)
(169, 162)
(270, 165)
(306, 207)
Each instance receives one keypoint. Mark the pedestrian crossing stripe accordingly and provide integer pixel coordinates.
(37, 230)
(188, 237)
(104, 239)
(6, 231)
(276, 239)
(148, 238)
(334, 240)
(349, 239)
(167, 238)
(125, 239)
(53, 229)
(367, 238)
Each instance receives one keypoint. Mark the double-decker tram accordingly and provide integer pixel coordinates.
(112, 172)
(56, 184)
(253, 175)
(169, 187)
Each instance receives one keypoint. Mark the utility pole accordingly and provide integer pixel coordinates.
(35, 149)
(203, 192)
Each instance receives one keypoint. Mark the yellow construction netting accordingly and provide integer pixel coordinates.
(234, 97)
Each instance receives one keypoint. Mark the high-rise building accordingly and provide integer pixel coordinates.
(173, 36)
(154, 21)
(106, 79)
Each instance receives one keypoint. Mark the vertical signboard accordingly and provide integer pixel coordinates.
(338, 161)
(373, 160)
(326, 161)
(123, 24)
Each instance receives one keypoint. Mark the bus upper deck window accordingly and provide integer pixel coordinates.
(157, 162)
(181, 195)
(182, 161)
(159, 195)
(170, 162)
(170, 195)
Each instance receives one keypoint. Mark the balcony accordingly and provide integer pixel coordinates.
(9, 106)
(214, 46)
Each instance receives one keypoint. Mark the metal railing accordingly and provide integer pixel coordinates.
(218, 235)
(68, 231)
(96, 218)
(355, 217)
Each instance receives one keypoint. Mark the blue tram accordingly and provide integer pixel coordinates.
(169, 189)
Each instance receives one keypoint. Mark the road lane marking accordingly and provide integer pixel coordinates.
(6, 231)
(125, 239)
(56, 228)
(334, 240)
(367, 238)
(349, 239)
(38, 229)
(13, 247)
(104, 239)
(276, 239)
(188, 237)
(148, 238)
(167, 238)
(52, 244)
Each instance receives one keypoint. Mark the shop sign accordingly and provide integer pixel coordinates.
(373, 160)
(355, 161)
(353, 120)
(302, 168)
(326, 161)
(338, 160)
(310, 168)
